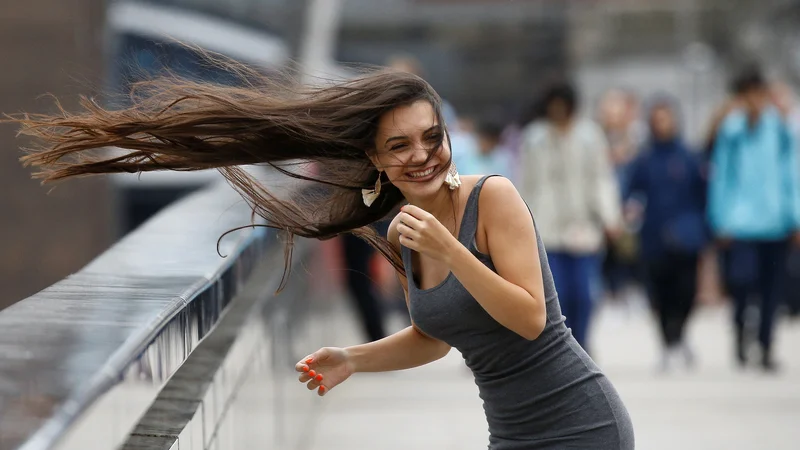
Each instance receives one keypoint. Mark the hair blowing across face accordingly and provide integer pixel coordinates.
(183, 125)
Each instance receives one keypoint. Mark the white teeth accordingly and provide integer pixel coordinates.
(424, 173)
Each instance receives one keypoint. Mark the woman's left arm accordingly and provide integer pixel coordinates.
(514, 296)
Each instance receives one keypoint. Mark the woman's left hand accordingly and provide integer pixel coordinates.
(420, 231)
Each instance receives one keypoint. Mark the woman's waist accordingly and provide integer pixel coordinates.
(535, 379)
(538, 367)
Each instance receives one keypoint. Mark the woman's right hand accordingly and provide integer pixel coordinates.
(324, 369)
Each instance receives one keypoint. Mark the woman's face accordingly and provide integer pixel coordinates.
(406, 136)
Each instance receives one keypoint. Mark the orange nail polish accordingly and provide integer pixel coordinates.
(309, 361)
(305, 368)
(322, 388)
(312, 374)
(318, 377)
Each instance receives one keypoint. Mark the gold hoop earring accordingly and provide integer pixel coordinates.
(370, 195)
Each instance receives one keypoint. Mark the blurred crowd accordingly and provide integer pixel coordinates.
(626, 205)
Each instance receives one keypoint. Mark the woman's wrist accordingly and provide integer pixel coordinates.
(354, 356)
(455, 251)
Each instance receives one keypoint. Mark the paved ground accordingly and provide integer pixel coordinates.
(714, 407)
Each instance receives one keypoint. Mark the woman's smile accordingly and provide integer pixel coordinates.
(426, 174)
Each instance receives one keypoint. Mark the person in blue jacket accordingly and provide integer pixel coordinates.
(754, 208)
(668, 188)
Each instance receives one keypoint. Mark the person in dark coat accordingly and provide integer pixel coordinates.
(668, 189)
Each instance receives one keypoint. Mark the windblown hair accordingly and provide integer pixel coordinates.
(183, 125)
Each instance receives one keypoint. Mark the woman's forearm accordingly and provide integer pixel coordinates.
(405, 349)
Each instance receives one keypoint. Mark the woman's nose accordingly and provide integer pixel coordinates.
(420, 154)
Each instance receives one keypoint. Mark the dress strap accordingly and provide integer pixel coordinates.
(469, 222)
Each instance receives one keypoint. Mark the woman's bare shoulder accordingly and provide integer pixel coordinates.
(499, 197)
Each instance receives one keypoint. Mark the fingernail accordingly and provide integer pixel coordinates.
(309, 360)
(312, 374)
(305, 368)
(318, 377)
(322, 388)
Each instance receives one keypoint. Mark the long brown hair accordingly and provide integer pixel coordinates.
(179, 124)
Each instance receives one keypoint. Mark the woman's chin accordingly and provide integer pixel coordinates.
(422, 189)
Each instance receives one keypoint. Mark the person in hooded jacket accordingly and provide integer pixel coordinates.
(667, 191)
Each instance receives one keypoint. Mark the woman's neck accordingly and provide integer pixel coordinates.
(440, 205)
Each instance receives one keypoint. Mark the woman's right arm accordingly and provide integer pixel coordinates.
(405, 349)
(329, 366)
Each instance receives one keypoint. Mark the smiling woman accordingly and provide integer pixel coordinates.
(479, 282)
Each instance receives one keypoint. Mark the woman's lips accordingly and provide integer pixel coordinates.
(429, 173)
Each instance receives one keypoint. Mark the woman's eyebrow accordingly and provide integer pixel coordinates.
(402, 136)
(394, 138)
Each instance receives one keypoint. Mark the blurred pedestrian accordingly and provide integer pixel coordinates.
(667, 186)
(358, 255)
(754, 208)
(618, 116)
(568, 179)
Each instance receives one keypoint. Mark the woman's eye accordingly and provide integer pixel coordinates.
(397, 147)
(434, 137)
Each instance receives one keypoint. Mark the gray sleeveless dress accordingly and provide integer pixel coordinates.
(540, 394)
